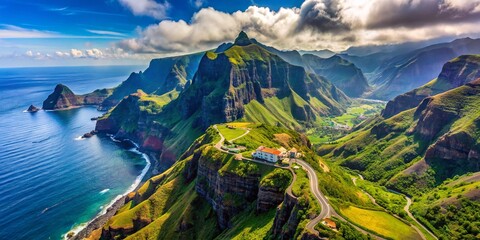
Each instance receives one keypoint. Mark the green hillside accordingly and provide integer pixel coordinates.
(417, 151)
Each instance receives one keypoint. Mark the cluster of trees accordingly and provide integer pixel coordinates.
(459, 220)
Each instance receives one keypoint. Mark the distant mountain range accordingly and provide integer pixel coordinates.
(414, 69)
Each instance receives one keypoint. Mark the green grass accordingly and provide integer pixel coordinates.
(250, 225)
(325, 130)
(302, 183)
(229, 133)
(390, 201)
(380, 222)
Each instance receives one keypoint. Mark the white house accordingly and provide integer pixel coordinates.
(267, 154)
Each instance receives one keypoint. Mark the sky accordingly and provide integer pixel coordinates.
(127, 32)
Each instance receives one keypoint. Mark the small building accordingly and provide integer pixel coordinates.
(267, 154)
(329, 223)
(293, 153)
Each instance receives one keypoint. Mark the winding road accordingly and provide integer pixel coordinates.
(326, 209)
(406, 209)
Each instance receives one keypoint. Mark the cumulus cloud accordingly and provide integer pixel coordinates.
(37, 55)
(334, 24)
(94, 53)
(76, 53)
(149, 8)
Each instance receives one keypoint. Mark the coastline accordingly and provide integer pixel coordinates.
(84, 230)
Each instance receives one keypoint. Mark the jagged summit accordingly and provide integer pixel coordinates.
(242, 39)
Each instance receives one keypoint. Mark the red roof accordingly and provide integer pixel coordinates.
(271, 151)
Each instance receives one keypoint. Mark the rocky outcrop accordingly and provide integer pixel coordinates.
(457, 154)
(432, 118)
(286, 218)
(32, 109)
(455, 73)
(268, 198)
(63, 98)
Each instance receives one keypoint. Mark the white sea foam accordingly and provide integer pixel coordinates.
(132, 187)
(104, 190)
(79, 138)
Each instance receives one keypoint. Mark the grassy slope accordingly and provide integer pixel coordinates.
(380, 222)
(383, 149)
(229, 133)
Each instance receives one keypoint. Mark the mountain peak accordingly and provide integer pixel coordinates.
(242, 39)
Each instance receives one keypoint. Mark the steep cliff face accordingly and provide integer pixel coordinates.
(231, 186)
(226, 82)
(455, 73)
(135, 118)
(342, 73)
(286, 218)
(64, 98)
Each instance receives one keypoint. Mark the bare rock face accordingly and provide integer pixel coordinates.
(268, 198)
(432, 119)
(457, 154)
(286, 219)
(227, 192)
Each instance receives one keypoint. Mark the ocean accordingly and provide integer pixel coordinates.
(50, 181)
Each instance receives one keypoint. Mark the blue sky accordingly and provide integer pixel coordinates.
(102, 32)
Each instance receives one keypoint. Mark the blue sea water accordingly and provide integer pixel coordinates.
(51, 182)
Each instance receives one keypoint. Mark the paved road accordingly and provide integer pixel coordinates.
(407, 209)
(327, 210)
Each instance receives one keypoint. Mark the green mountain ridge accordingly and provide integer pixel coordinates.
(418, 150)
(455, 73)
(227, 86)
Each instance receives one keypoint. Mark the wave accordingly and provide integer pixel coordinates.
(79, 138)
(42, 140)
(132, 187)
(104, 190)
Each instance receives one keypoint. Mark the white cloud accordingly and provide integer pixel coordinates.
(198, 3)
(11, 31)
(104, 32)
(76, 53)
(317, 24)
(146, 8)
(94, 53)
(62, 54)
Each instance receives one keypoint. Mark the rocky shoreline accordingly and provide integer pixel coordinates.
(100, 220)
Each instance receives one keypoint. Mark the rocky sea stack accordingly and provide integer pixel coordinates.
(64, 98)
(32, 109)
